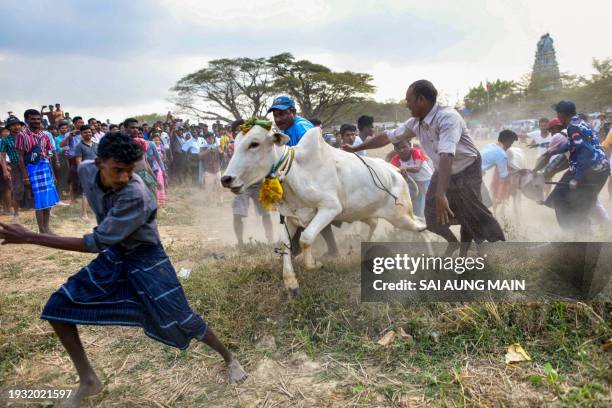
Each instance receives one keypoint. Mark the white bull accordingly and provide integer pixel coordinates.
(322, 184)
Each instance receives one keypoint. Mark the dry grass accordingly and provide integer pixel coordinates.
(319, 350)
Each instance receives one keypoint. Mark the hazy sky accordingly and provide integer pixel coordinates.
(114, 58)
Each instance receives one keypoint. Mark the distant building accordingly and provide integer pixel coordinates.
(545, 75)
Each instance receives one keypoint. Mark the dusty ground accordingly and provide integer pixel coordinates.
(319, 350)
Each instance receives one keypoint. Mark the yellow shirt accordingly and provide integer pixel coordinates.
(608, 142)
(224, 141)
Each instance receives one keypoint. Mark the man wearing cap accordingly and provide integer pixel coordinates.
(553, 164)
(294, 126)
(287, 120)
(454, 194)
(9, 160)
(576, 193)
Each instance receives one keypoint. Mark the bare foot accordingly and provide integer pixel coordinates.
(84, 218)
(86, 389)
(235, 372)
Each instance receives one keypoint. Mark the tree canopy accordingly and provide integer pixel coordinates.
(232, 88)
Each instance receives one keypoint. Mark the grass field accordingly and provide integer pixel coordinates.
(318, 350)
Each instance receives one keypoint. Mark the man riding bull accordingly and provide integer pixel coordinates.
(294, 126)
(575, 195)
(454, 193)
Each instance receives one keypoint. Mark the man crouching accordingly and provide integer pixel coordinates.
(131, 282)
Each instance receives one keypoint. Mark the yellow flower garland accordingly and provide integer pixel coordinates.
(270, 193)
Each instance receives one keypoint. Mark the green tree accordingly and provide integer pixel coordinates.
(493, 96)
(389, 111)
(319, 91)
(226, 89)
(599, 86)
(151, 118)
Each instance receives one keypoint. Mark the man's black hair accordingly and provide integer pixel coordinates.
(425, 89)
(365, 121)
(347, 127)
(129, 120)
(76, 118)
(30, 112)
(236, 124)
(316, 121)
(113, 126)
(507, 136)
(543, 120)
(90, 119)
(121, 147)
(85, 127)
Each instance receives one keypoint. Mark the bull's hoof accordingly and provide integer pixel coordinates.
(313, 266)
(330, 255)
(294, 293)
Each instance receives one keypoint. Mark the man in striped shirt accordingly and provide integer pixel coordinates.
(35, 150)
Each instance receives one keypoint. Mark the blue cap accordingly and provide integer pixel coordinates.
(565, 107)
(282, 103)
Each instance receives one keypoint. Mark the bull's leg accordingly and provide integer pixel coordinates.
(289, 280)
(516, 202)
(321, 220)
(371, 223)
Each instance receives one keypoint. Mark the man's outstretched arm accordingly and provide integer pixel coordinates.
(380, 140)
(18, 234)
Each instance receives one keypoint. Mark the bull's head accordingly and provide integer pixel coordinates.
(256, 150)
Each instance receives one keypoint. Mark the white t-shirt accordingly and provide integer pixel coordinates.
(543, 142)
(356, 143)
(165, 139)
(191, 146)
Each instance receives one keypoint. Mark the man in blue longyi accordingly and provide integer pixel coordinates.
(131, 282)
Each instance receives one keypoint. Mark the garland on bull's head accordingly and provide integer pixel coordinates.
(249, 123)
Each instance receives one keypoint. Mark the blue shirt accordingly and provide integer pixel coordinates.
(125, 216)
(58, 141)
(297, 130)
(494, 155)
(584, 149)
(72, 144)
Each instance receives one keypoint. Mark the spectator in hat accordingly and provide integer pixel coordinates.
(9, 160)
(287, 119)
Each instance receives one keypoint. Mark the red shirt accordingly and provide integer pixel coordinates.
(417, 154)
(26, 140)
(143, 143)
